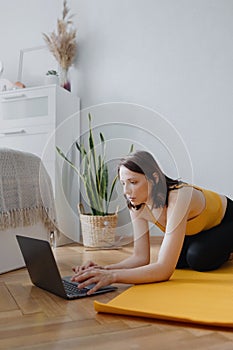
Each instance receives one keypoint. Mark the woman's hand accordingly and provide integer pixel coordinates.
(87, 265)
(100, 277)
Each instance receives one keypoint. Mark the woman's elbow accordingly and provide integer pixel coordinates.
(164, 275)
(165, 278)
(143, 261)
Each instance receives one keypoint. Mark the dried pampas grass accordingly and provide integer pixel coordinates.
(63, 44)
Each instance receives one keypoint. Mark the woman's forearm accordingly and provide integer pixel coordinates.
(129, 263)
(144, 274)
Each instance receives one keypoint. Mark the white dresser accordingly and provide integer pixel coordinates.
(36, 120)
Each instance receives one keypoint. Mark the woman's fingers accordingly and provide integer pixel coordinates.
(83, 267)
(100, 277)
(78, 269)
(95, 288)
(82, 276)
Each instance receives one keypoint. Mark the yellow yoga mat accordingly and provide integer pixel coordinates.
(189, 296)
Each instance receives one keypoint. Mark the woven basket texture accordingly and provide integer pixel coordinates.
(98, 231)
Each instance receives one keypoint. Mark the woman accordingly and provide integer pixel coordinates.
(197, 225)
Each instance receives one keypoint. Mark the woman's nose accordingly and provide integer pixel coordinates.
(126, 189)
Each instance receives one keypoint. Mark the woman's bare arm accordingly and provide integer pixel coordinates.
(141, 252)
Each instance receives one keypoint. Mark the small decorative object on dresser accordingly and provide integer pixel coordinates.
(98, 228)
(5, 84)
(51, 77)
(63, 45)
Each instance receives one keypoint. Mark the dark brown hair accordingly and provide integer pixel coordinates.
(143, 162)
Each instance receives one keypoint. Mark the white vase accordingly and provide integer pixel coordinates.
(64, 78)
(51, 79)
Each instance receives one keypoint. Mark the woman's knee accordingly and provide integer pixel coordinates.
(201, 259)
(195, 259)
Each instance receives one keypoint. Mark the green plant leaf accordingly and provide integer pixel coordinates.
(94, 172)
(131, 148)
(102, 137)
(111, 191)
(69, 162)
(92, 152)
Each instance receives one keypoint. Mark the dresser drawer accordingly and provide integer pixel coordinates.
(28, 139)
(27, 107)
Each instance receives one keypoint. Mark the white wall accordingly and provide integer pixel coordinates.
(21, 26)
(172, 56)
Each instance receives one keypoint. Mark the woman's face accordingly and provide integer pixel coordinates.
(136, 187)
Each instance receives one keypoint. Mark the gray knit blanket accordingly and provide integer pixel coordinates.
(26, 195)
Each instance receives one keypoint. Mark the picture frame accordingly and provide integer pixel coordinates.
(34, 62)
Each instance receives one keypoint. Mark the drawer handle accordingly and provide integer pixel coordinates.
(18, 96)
(17, 132)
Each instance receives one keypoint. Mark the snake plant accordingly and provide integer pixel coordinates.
(94, 173)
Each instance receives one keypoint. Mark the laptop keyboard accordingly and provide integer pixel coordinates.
(72, 289)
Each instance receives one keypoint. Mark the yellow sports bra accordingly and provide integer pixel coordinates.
(211, 215)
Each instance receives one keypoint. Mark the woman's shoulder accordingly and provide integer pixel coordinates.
(189, 199)
(182, 188)
(181, 196)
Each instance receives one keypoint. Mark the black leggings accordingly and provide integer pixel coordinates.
(209, 249)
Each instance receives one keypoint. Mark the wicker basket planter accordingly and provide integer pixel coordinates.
(97, 231)
(98, 228)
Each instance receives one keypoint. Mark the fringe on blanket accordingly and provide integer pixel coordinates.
(27, 217)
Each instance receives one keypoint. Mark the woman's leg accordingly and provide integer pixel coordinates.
(209, 249)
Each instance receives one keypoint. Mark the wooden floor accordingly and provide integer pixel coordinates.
(31, 318)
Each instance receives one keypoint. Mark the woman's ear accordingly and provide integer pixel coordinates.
(156, 177)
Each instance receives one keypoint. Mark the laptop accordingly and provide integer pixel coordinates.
(44, 273)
